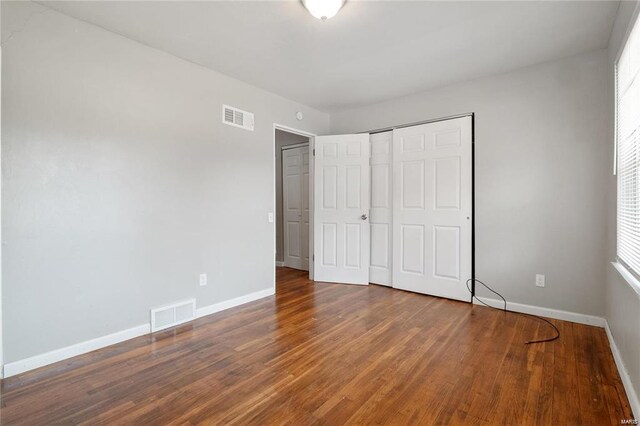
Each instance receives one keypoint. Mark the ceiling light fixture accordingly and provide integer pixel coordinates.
(323, 9)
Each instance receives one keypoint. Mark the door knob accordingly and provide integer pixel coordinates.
(363, 217)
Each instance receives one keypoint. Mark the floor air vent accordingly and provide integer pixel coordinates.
(236, 117)
(171, 315)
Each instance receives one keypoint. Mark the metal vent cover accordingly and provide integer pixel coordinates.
(172, 315)
(237, 117)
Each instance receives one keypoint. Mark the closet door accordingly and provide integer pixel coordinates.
(295, 178)
(342, 193)
(381, 208)
(432, 207)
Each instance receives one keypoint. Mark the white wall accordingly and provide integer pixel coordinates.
(120, 184)
(541, 181)
(622, 308)
(117, 182)
(282, 139)
(1, 322)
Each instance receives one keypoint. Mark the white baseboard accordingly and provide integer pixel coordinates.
(279, 263)
(546, 312)
(221, 306)
(634, 401)
(624, 374)
(17, 367)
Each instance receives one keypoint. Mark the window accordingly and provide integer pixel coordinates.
(628, 152)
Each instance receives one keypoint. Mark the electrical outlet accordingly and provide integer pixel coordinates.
(203, 280)
(539, 280)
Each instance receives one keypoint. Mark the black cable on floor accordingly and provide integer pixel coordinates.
(528, 342)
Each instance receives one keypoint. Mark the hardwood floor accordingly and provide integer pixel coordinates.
(333, 354)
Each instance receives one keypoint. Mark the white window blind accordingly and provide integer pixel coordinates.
(628, 154)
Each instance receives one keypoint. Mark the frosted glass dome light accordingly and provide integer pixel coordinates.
(323, 9)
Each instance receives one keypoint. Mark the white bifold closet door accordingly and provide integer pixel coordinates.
(295, 198)
(341, 209)
(432, 208)
(381, 208)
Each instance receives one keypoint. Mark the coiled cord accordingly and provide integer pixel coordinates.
(528, 342)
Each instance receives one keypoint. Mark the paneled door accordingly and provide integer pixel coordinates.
(341, 233)
(295, 198)
(432, 208)
(381, 208)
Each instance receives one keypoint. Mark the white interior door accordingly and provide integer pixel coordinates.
(381, 208)
(432, 209)
(295, 190)
(341, 209)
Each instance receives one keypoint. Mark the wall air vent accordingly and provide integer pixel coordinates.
(172, 315)
(236, 117)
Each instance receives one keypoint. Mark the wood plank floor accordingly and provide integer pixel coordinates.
(321, 353)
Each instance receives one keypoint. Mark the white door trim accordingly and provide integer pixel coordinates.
(310, 135)
(418, 123)
(298, 145)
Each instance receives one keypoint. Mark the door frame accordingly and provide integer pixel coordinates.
(310, 135)
(473, 178)
(298, 145)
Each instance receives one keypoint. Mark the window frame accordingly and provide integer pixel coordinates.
(628, 273)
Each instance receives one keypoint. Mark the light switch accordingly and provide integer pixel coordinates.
(270, 217)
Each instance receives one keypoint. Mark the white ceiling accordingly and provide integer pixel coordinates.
(371, 51)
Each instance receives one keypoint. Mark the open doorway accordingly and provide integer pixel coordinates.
(292, 173)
